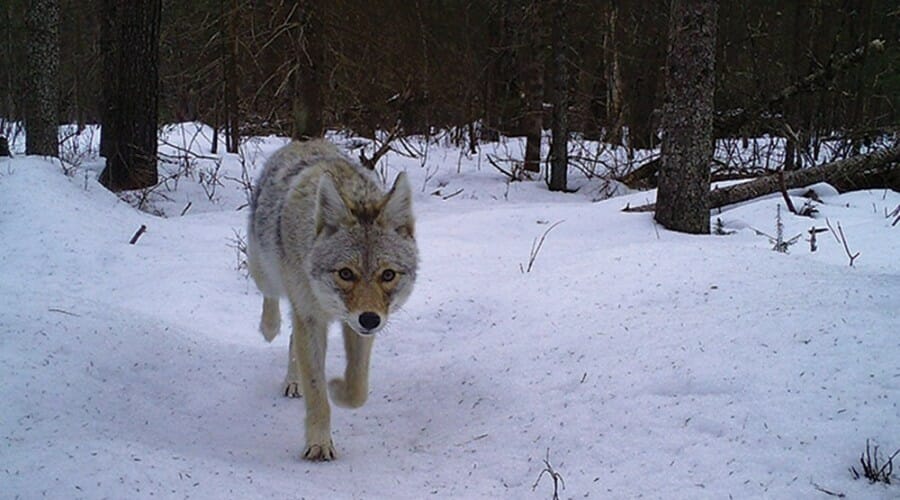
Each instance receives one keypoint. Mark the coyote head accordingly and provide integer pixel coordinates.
(363, 262)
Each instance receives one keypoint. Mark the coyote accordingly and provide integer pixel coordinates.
(323, 234)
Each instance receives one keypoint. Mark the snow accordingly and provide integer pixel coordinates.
(641, 363)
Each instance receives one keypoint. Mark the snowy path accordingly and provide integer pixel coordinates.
(649, 364)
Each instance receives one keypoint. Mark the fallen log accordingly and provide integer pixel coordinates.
(876, 169)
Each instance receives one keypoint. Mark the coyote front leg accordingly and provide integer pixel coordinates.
(353, 389)
(292, 383)
(310, 338)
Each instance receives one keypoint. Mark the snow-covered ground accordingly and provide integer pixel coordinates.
(641, 363)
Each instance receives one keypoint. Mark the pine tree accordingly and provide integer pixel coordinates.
(687, 146)
(42, 108)
(131, 114)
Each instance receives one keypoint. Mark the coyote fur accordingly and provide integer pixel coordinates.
(324, 234)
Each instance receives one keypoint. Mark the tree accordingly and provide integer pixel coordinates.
(306, 73)
(131, 114)
(230, 41)
(559, 154)
(531, 67)
(687, 146)
(42, 108)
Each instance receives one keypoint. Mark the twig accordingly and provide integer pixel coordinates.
(502, 170)
(833, 232)
(846, 247)
(53, 309)
(895, 212)
(186, 208)
(554, 475)
(536, 248)
(382, 150)
(451, 195)
(812, 237)
(138, 234)
(828, 492)
(870, 468)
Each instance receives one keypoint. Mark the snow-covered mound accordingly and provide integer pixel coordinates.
(640, 362)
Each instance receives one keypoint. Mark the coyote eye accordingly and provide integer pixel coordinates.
(388, 275)
(346, 274)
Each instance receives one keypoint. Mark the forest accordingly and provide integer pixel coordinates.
(478, 68)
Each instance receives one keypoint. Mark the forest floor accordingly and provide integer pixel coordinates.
(632, 361)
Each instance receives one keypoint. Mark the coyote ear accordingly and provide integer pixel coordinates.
(330, 207)
(397, 212)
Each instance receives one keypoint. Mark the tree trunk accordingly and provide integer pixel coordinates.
(42, 110)
(109, 55)
(559, 154)
(230, 79)
(131, 155)
(687, 146)
(856, 172)
(306, 78)
(532, 71)
(615, 104)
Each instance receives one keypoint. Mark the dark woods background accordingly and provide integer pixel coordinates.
(417, 65)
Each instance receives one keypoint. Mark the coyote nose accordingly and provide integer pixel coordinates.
(369, 320)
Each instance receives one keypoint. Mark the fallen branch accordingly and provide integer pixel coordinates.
(138, 234)
(828, 492)
(451, 195)
(61, 311)
(513, 174)
(840, 174)
(844, 175)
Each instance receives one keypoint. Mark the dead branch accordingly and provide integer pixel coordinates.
(784, 193)
(828, 492)
(844, 175)
(371, 162)
(511, 174)
(645, 175)
(840, 238)
(138, 234)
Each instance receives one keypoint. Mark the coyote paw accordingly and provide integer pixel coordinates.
(270, 328)
(344, 395)
(319, 452)
(292, 389)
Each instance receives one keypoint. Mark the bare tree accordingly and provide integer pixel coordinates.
(306, 74)
(615, 112)
(559, 155)
(532, 71)
(42, 109)
(687, 146)
(228, 25)
(133, 114)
